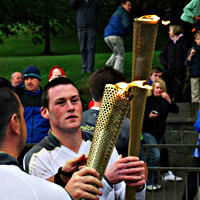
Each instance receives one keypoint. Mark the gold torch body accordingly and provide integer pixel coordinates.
(144, 39)
(112, 113)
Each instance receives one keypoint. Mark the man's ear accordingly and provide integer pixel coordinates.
(45, 112)
(15, 125)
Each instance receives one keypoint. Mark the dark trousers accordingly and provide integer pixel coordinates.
(174, 84)
(87, 41)
(164, 157)
(192, 181)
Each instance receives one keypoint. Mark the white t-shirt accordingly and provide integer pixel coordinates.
(45, 164)
(18, 185)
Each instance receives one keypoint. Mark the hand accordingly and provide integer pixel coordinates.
(166, 97)
(192, 52)
(72, 166)
(197, 17)
(80, 185)
(153, 115)
(128, 169)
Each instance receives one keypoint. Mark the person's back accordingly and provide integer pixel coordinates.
(88, 125)
(16, 184)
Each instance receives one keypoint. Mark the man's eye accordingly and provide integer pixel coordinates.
(75, 100)
(60, 102)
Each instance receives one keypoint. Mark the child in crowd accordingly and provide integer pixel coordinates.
(193, 61)
(156, 73)
(56, 71)
(173, 57)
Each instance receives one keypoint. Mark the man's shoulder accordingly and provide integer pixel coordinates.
(47, 144)
(26, 185)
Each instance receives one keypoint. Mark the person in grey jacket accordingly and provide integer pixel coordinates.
(86, 20)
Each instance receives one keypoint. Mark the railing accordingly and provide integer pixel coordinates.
(173, 193)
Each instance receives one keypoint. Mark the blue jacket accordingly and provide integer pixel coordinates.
(194, 64)
(119, 24)
(37, 126)
(196, 152)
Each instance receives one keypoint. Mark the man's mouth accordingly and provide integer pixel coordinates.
(71, 117)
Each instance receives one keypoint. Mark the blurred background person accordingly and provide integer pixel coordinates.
(17, 82)
(56, 71)
(86, 22)
(118, 26)
(191, 19)
(158, 106)
(173, 57)
(37, 126)
(193, 61)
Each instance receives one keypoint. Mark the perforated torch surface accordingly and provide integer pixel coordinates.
(112, 113)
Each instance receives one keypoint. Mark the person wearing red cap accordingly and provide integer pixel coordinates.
(56, 71)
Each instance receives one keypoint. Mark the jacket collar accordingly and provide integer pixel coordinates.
(6, 159)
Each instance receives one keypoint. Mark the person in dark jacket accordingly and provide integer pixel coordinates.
(173, 57)
(37, 126)
(158, 106)
(86, 20)
(193, 61)
(118, 26)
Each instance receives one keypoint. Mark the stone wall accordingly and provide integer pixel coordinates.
(180, 130)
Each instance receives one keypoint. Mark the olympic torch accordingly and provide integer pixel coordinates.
(113, 110)
(144, 39)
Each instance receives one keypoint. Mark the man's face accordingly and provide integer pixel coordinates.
(127, 6)
(65, 108)
(155, 76)
(17, 79)
(32, 84)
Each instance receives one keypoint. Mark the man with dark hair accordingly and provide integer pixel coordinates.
(118, 26)
(16, 184)
(61, 105)
(37, 126)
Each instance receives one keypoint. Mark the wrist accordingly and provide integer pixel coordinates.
(58, 180)
(140, 188)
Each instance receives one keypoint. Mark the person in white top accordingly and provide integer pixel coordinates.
(18, 185)
(61, 105)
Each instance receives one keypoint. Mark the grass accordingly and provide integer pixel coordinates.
(70, 63)
(18, 52)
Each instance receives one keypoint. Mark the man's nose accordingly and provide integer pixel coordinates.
(70, 106)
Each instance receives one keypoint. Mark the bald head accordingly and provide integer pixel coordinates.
(16, 78)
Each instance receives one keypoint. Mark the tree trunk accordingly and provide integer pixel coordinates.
(47, 48)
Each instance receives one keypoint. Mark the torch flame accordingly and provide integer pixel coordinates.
(140, 84)
(193, 30)
(165, 22)
(152, 19)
